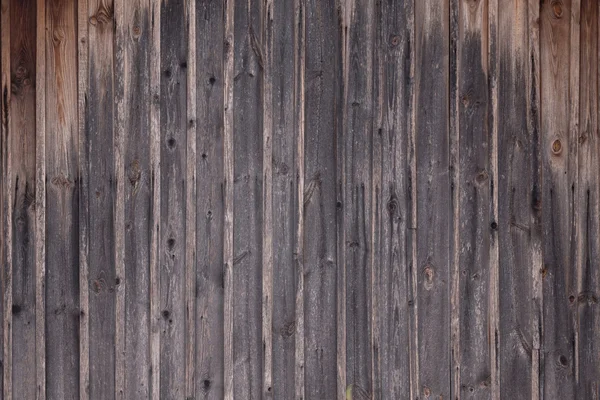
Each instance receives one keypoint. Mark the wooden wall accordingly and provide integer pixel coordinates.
(300, 199)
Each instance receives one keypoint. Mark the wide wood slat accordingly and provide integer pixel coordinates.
(299, 199)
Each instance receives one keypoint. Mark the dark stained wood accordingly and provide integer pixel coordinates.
(587, 342)
(473, 208)
(22, 147)
(433, 196)
(210, 201)
(322, 108)
(247, 199)
(392, 129)
(559, 158)
(131, 84)
(62, 202)
(173, 186)
(102, 145)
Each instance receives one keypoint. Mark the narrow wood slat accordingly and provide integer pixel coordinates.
(22, 110)
(248, 182)
(392, 201)
(587, 368)
(7, 188)
(559, 161)
(174, 187)
(473, 195)
(210, 203)
(62, 200)
(321, 113)
(432, 197)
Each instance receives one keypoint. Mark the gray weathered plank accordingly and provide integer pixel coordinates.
(357, 64)
(247, 202)
(322, 108)
(587, 365)
(132, 101)
(210, 203)
(473, 207)
(23, 169)
(173, 187)
(62, 202)
(102, 146)
(559, 159)
(432, 196)
(519, 201)
(392, 207)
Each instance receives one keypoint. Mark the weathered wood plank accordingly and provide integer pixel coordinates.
(210, 204)
(62, 202)
(587, 369)
(247, 202)
(474, 198)
(102, 145)
(393, 211)
(432, 196)
(280, 123)
(173, 186)
(519, 200)
(358, 44)
(559, 159)
(84, 203)
(23, 169)
(132, 101)
(40, 201)
(7, 203)
(228, 194)
(322, 110)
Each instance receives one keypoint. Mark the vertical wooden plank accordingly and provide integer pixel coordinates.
(228, 191)
(358, 43)
(433, 192)
(474, 198)
(190, 217)
(84, 204)
(271, 196)
(62, 202)
(519, 200)
(40, 200)
(23, 169)
(210, 205)
(322, 106)
(103, 147)
(587, 218)
(299, 106)
(559, 157)
(173, 186)
(155, 167)
(248, 183)
(133, 101)
(392, 201)
(7, 204)
(492, 123)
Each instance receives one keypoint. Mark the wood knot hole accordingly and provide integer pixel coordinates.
(557, 9)
(556, 147)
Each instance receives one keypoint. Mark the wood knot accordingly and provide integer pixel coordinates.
(61, 181)
(288, 329)
(58, 35)
(394, 40)
(137, 32)
(428, 274)
(557, 9)
(481, 177)
(134, 173)
(562, 361)
(556, 147)
(426, 391)
(103, 15)
(392, 204)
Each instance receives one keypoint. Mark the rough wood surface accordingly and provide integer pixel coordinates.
(349, 199)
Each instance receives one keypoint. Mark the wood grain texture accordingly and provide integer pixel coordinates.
(392, 200)
(559, 158)
(210, 203)
(322, 111)
(173, 187)
(132, 85)
(473, 202)
(432, 196)
(587, 217)
(24, 221)
(62, 202)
